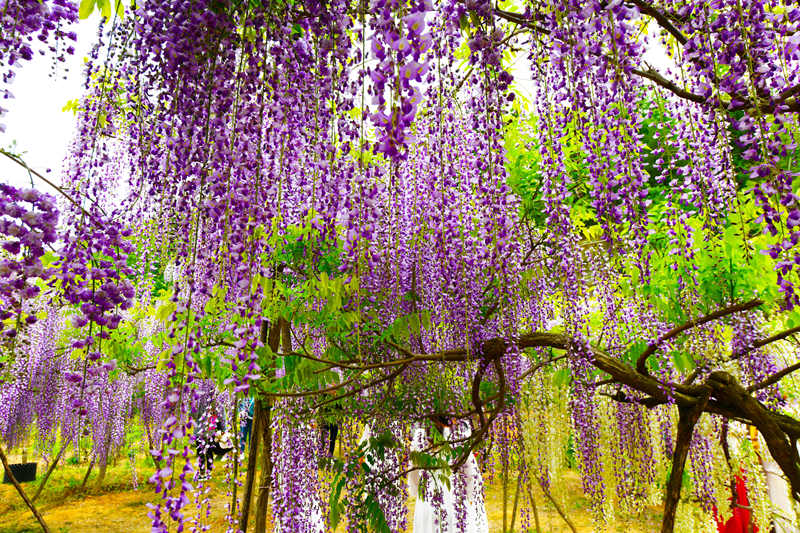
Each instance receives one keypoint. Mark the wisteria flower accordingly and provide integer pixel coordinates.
(415, 22)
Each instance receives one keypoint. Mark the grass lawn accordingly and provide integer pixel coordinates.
(116, 507)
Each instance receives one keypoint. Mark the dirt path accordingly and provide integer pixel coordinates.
(118, 509)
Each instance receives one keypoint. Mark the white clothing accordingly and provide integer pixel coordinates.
(778, 490)
(435, 509)
(470, 473)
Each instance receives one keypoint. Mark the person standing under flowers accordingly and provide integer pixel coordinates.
(246, 409)
(469, 503)
(456, 505)
(210, 438)
(433, 510)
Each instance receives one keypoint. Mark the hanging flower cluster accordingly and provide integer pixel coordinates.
(737, 67)
(335, 176)
(400, 43)
(28, 221)
(32, 394)
(23, 20)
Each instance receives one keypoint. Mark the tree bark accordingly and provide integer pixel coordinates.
(533, 505)
(687, 419)
(88, 472)
(255, 438)
(236, 427)
(505, 491)
(262, 503)
(101, 474)
(556, 506)
(730, 393)
(149, 435)
(516, 505)
(50, 470)
(21, 492)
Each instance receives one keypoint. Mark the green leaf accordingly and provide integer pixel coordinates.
(86, 8)
(336, 506)
(634, 351)
(165, 311)
(49, 258)
(71, 105)
(793, 319)
(413, 324)
(105, 7)
(411, 296)
(683, 361)
(425, 319)
(463, 23)
(561, 378)
(377, 519)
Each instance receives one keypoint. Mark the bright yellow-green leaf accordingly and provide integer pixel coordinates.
(105, 7)
(86, 8)
(71, 105)
(49, 258)
(266, 287)
(255, 281)
(211, 306)
(163, 359)
(165, 311)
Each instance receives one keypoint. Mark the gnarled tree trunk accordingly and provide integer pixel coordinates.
(262, 503)
(687, 419)
(255, 439)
